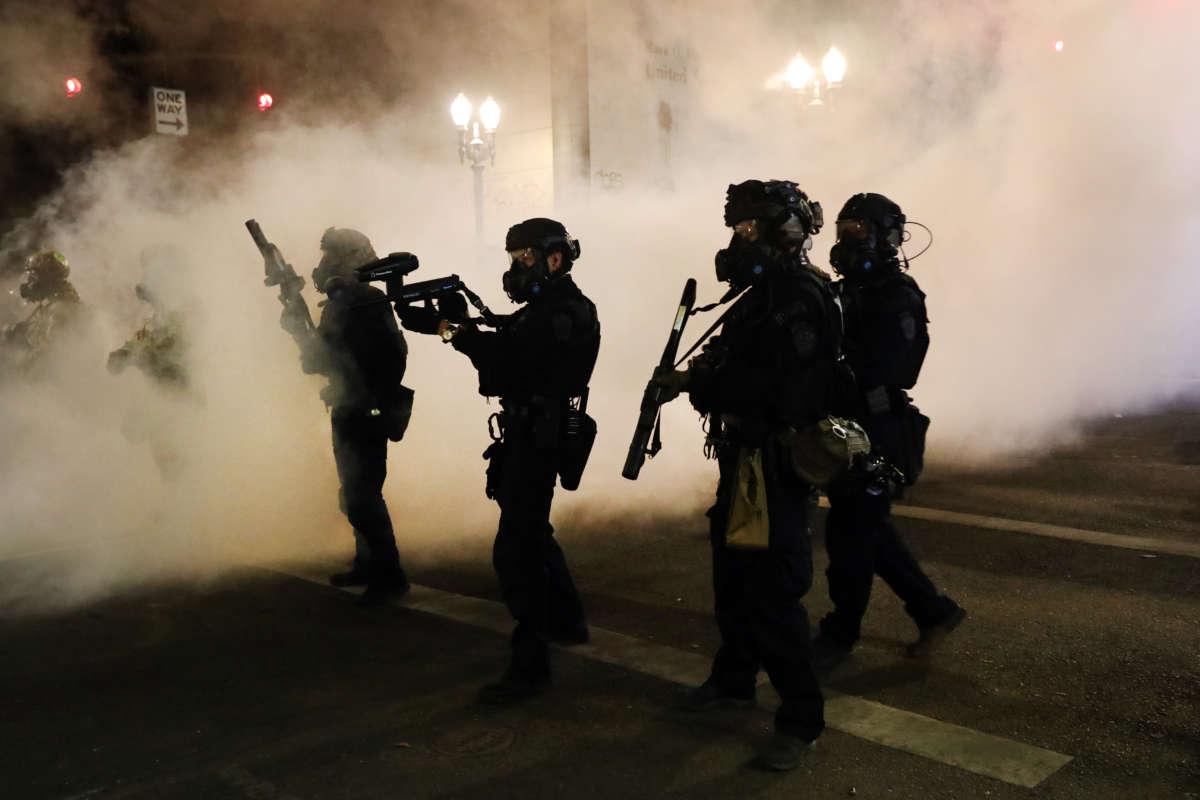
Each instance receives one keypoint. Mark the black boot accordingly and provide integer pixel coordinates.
(384, 587)
(932, 635)
(710, 697)
(356, 576)
(782, 753)
(568, 635)
(528, 672)
(827, 653)
(513, 687)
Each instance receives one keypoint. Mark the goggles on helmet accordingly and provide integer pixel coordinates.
(853, 229)
(747, 229)
(526, 255)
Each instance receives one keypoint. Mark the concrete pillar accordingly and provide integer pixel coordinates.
(569, 121)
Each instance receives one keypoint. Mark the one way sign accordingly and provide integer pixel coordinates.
(170, 111)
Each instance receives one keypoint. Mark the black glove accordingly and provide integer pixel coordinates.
(293, 322)
(419, 319)
(452, 307)
(669, 382)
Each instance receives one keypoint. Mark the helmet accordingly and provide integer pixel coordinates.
(345, 250)
(772, 222)
(886, 217)
(46, 274)
(544, 235)
(870, 229)
(779, 205)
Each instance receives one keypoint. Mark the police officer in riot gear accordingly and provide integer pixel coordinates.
(539, 364)
(885, 339)
(771, 367)
(359, 347)
(56, 306)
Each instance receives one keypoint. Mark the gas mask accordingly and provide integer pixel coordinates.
(857, 253)
(45, 276)
(748, 256)
(743, 263)
(36, 287)
(853, 259)
(523, 282)
(324, 272)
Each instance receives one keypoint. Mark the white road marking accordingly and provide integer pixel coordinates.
(1125, 541)
(971, 750)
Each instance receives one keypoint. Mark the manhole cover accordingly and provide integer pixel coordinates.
(473, 740)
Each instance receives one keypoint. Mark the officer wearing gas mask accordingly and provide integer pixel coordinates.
(771, 367)
(359, 347)
(885, 339)
(538, 363)
(56, 306)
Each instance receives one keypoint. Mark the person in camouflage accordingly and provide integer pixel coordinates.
(56, 307)
(158, 350)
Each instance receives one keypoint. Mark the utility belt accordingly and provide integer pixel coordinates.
(361, 418)
(558, 426)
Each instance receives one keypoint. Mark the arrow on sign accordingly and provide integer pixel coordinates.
(176, 122)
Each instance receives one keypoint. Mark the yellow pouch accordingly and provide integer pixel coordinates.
(749, 525)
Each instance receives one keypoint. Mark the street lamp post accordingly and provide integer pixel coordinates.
(803, 78)
(478, 148)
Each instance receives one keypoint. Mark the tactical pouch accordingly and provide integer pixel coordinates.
(578, 435)
(749, 526)
(399, 414)
(914, 424)
(495, 469)
(822, 452)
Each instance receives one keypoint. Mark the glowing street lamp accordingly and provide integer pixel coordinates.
(802, 78)
(479, 147)
(489, 115)
(834, 66)
(460, 111)
(799, 72)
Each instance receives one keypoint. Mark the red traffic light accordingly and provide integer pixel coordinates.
(1058, 45)
(265, 101)
(74, 86)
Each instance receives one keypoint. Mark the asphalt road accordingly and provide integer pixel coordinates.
(267, 685)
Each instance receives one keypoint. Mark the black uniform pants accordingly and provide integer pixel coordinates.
(360, 452)
(530, 566)
(759, 612)
(862, 543)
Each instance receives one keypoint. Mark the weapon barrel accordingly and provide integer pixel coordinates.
(257, 235)
(280, 273)
(638, 451)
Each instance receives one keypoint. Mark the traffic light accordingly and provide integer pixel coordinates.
(74, 86)
(265, 101)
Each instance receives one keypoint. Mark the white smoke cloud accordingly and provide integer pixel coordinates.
(1061, 283)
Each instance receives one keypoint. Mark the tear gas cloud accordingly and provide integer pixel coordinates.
(1060, 286)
